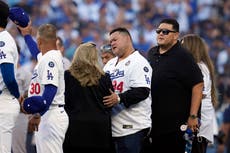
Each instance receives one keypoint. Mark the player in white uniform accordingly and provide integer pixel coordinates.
(131, 74)
(21, 141)
(47, 87)
(9, 92)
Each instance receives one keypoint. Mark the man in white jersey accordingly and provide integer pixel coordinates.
(131, 77)
(9, 92)
(22, 137)
(46, 90)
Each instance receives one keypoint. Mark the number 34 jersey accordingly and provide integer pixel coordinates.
(49, 70)
(133, 71)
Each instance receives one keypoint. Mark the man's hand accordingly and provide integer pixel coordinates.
(26, 30)
(34, 121)
(21, 106)
(193, 124)
(111, 100)
(20, 99)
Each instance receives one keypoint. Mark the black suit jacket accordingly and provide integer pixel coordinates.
(89, 119)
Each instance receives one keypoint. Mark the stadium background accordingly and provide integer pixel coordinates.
(91, 20)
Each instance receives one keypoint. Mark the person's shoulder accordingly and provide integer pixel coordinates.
(153, 49)
(180, 51)
(53, 55)
(6, 39)
(139, 58)
(110, 63)
(68, 76)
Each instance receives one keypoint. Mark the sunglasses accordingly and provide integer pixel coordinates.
(106, 48)
(164, 31)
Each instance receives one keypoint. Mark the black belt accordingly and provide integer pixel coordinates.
(61, 105)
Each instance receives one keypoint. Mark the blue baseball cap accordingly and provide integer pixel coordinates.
(19, 16)
(34, 104)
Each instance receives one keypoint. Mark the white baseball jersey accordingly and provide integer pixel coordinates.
(49, 70)
(54, 123)
(8, 53)
(133, 71)
(9, 108)
(207, 109)
(66, 63)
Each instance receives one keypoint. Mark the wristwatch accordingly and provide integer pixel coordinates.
(193, 116)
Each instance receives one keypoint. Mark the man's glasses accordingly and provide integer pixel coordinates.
(106, 48)
(164, 31)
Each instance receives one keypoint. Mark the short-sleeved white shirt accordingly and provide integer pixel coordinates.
(133, 71)
(49, 70)
(8, 53)
(207, 109)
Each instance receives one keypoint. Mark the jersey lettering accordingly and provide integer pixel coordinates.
(117, 74)
(147, 79)
(118, 85)
(49, 75)
(2, 55)
(35, 88)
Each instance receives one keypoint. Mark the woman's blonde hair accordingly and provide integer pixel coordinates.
(85, 66)
(199, 49)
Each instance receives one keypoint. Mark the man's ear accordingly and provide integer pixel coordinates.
(39, 41)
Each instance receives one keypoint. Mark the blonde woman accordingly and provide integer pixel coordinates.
(89, 120)
(199, 50)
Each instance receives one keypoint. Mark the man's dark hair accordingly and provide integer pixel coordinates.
(171, 21)
(120, 29)
(4, 13)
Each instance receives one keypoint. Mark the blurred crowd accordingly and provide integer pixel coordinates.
(90, 20)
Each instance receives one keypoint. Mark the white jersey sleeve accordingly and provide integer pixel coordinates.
(8, 49)
(49, 71)
(8, 53)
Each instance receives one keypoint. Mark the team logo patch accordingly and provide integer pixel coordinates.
(2, 55)
(146, 69)
(2, 43)
(127, 63)
(51, 64)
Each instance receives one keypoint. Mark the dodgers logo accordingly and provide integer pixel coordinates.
(49, 75)
(51, 64)
(146, 69)
(2, 43)
(2, 55)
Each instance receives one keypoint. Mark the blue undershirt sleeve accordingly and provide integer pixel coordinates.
(32, 45)
(7, 70)
(49, 94)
